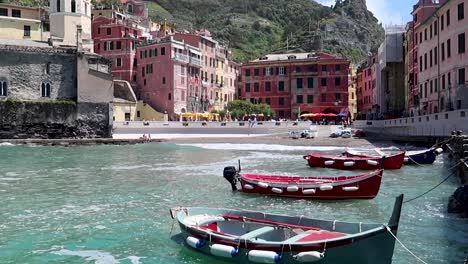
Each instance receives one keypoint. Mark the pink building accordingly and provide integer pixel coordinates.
(366, 89)
(168, 76)
(203, 41)
(116, 40)
(440, 32)
(294, 84)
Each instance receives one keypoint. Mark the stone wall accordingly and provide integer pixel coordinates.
(25, 72)
(53, 119)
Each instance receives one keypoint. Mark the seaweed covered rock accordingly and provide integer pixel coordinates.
(458, 202)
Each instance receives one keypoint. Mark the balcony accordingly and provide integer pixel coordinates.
(181, 58)
(195, 61)
(307, 73)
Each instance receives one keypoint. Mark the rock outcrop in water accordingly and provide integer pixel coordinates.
(458, 202)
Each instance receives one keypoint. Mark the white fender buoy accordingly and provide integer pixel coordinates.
(223, 251)
(329, 162)
(194, 242)
(350, 188)
(263, 256)
(292, 188)
(308, 191)
(348, 163)
(248, 186)
(277, 190)
(263, 184)
(372, 162)
(326, 187)
(309, 256)
(406, 159)
(439, 150)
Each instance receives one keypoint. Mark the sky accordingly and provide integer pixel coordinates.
(389, 12)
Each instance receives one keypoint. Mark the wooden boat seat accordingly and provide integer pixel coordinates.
(257, 232)
(313, 235)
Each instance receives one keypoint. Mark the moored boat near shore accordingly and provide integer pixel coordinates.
(426, 156)
(392, 162)
(365, 186)
(258, 237)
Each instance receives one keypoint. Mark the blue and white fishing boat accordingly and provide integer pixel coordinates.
(257, 237)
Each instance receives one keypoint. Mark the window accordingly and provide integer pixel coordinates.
(130, 8)
(442, 49)
(73, 6)
(280, 86)
(310, 99)
(47, 68)
(299, 83)
(15, 13)
(310, 83)
(324, 98)
(27, 31)
(337, 81)
(425, 34)
(118, 45)
(144, 82)
(461, 76)
(324, 68)
(299, 99)
(267, 71)
(268, 101)
(109, 31)
(282, 71)
(267, 86)
(3, 12)
(430, 58)
(431, 87)
(443, 82)
(449, 50)
(425, 90)
(449, 79)
(441, 22)
(247, 87)
(169, 97)
(436, 57)
(425, 61)
(337, 97)
(420, 63)
(461, 11)
(435, 28)
(430, 31)
(3, 88)
(247, 72)
(461, 43)
(45, 89)
(256, 87)
(420, 37)
(155, 52)
(163, 51)
(298, 69)
(119, 62)
(281, 101)
(448, 17)
(324, 81)
(337, 67)
(256, 72)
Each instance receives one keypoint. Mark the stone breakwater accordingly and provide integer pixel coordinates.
(458, 148)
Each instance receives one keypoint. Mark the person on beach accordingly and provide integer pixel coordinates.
(149, 137)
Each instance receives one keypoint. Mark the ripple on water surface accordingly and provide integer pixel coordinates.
(109, 204)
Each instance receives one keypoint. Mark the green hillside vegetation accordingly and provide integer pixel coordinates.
(253, 28)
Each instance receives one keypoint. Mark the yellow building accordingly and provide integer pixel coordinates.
(127, 108)
(352, 97)
(19, 22)
(219, 80)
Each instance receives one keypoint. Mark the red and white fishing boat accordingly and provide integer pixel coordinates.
(365, 186)
(392, 162)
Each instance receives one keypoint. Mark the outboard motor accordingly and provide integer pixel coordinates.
(230, 174)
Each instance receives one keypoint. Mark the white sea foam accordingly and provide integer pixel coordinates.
(7, 144)
(100, 227)
(10, 179)
(99, 257)
(263, 147)
(135, 259)
(174, 136)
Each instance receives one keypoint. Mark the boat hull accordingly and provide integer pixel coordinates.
(393, 162)
(336, 188)
(242, 233)
(427, 157)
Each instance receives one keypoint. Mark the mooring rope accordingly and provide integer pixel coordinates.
(409, 251)
(448, 177)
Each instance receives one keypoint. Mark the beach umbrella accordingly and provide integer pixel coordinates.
(342, 115)
(330, 115)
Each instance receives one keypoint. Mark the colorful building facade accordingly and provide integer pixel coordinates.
(440, 33)
(294, 84)
(19, 22)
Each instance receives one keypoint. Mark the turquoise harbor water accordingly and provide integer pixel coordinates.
(110, 204)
